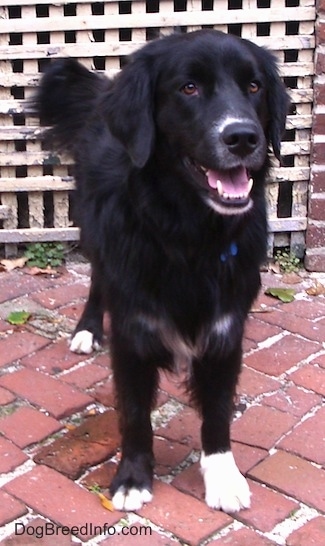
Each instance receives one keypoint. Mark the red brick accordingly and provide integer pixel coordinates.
(315, 261)
(253, 383)
(19, 344)
(138, 535)
(243, 537)
(10, 508)
(168, 454)
(319, 118)
(306, 309)
(73, 311)
(315, 235)
(318, 180)
(318, 149)
(293, 400)
(86, 376)
(268, 508)
(101, 476)
(247, 456)
(64, 502)
(105, 394)
(311, 534)
(61, 295)
(4, 326)
(27, 426)
(258, 331)
(174, 385)
(282, 355)
(299, 325)
(248, 345)
(10, 456)
(261, 426)
(15, 284)
(184, 428)
(307, 439)
(93, 442)
(6, 397)
(35, 533)
(53, 359)
(293, 476)
(183, 515)
(320, 359)
(317, 205)
(311, 377)
(190, 481)
(45, 392)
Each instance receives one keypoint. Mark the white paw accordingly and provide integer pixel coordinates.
(225, 487)
(130, 499)
(83, 342)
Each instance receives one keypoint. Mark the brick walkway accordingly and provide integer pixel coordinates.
(59, 441)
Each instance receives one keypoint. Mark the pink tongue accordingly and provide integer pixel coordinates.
(234, 182)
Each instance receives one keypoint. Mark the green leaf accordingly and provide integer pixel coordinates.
(286, 295)
(18, 318)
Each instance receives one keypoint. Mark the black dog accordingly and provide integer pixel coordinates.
(171, 159)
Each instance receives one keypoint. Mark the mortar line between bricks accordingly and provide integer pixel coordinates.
(9, 528)
(301, 363)
(235, 525)
(267, 343)
(19, 471)
(282, 530)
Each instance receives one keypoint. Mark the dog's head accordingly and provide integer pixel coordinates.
(215, 101)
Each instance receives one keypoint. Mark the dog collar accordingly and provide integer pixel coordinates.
(232, 250)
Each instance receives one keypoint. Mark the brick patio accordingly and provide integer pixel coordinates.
(59, 439)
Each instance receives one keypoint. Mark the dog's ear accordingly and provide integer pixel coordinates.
(278, 105)
(128, 109)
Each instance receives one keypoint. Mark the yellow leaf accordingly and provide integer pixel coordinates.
(317, 290)
(69, 426)
(105, 502)
(10, 265)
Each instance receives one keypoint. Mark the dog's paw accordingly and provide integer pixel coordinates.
(225, 487)
(83, 342)
(130, 499)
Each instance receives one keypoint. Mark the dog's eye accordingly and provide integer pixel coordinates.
(253, 87)
(189, 89)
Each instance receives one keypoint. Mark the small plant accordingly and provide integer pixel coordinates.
(288, 262)
(44, 255)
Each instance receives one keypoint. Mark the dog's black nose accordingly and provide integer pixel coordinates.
(240, 138)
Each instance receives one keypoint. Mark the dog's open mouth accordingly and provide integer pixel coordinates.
(229, 189)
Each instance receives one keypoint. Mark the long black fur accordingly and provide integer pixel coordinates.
(165, 264)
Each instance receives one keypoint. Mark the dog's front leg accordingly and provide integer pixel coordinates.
(213, 385)
(135, 381)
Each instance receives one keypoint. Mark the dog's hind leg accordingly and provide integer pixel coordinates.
(89, 331)
(214, 385)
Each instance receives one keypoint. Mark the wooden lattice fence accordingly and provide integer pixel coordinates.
(36, 186)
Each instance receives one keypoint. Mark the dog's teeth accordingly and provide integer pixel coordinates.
(203, 169)
(250, 185)
(220, 188)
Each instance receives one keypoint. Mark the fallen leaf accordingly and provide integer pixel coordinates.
(286, 295)
(291, 278)
(18, 318)
(17, 263)
(275, 267)
(39, 271)
(70, 427)
(92, 411)
(105, 502)
(264, 309)
(317, 290)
